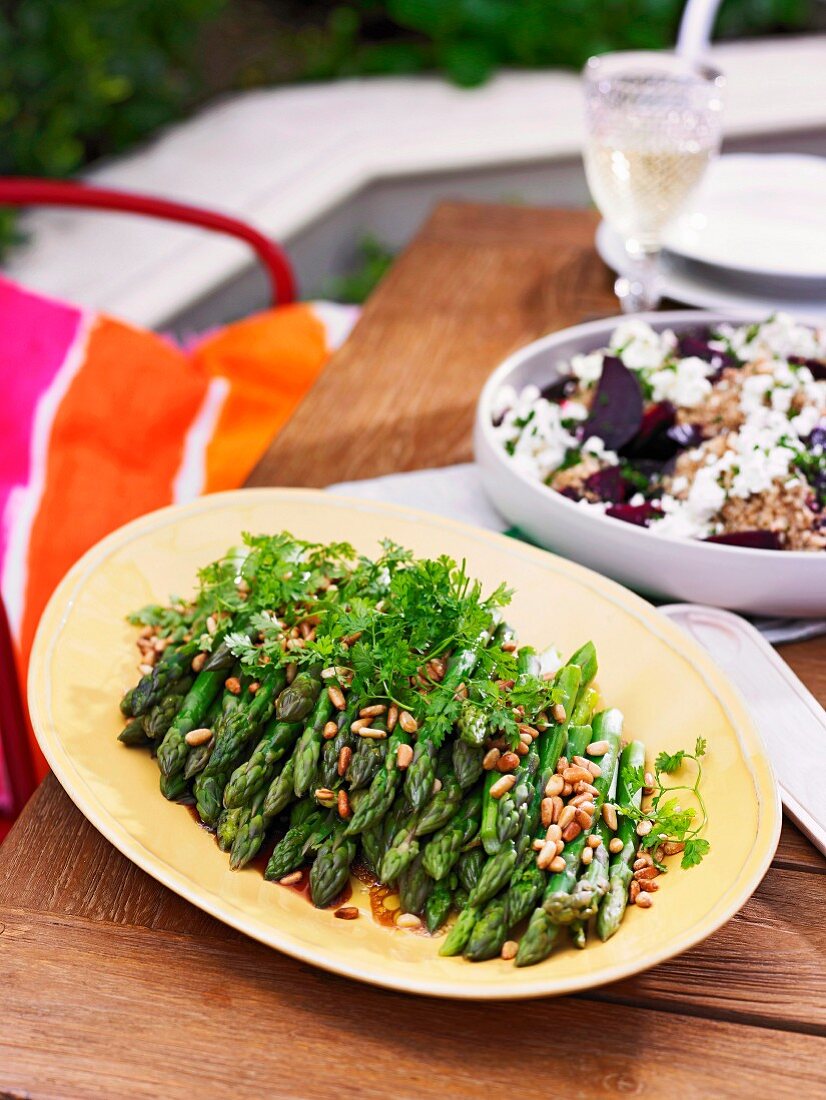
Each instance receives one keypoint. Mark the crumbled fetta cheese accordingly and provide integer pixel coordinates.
(780, 400)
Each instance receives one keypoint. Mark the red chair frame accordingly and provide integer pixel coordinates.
(20, 191)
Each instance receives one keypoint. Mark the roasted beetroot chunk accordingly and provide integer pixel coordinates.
(754, 540)
(616, 410)
(608, 485)
(640, 515)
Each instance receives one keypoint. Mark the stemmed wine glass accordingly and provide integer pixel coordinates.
(653, 123)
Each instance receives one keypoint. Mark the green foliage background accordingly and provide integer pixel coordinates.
(81, 79)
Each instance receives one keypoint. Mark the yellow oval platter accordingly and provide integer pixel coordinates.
(667, 687)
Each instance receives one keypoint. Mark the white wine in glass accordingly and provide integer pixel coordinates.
(654, 123)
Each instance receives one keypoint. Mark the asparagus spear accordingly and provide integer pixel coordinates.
(444, 847)
(437, 907)
(173, 749)
(620, 870)
(254, 775)
(160, 717)
(458, 936)
(415, 885)
(308, 749)
(543, 929)
(379, 798)
(296, 701)
(242, 724)
(469, 867)
(467, 763)
(134, 734)
(488, 933)
(331, 869)
(288, 854)
(367, 759)
(418, 782)
(331, 751)
(173, 665)
(280, 791)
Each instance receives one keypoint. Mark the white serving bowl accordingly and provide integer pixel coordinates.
(763, 582)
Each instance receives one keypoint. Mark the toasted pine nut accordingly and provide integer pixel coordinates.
(198, 737)
(146, 632)
(291, 671)
(556, 865)
(583, 818)
(588, 807)
(404, 756)
(644, 827)
(351, 639)
(509, 949)
(575, 774)
(290, 879)
(392, 717)
(538, 844)
(323, 794)
(587, 788)
(461, 692)
(644, 860)
(343, 804)
(525, 738)
(560, 846)
(407, 722)
(198, 662)
(437, 786)
(558, 806)
(553, 833)
(634, 891)
(330, 730)
(336, 696)
(566, 790)
(508, 647)
(211, 625)
(373, 735)
(648, 783)
(578, 799)
(502, 786)
(587, 855)
(651, 885)
(359, 724)
(554, 785)
(644, 900)
(546, 809)
(646, 873)
(144, 668)
(507, 762)
(672, 847)
(594, 841)
(408, 920)
(561, 764)
(233, 685)
(522, 749)
(558, 712)
(546, 854)
(437, 669)
(567, 816)
(615, 845)
(344, 757)
(529, 730)
(373, 711)
(490, 759)
(609, 816)
(348, 912)
(580, 761)
(253, 688)
(571, 832)
(597, 748)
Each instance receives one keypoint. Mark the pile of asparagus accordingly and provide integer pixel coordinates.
(506, 832)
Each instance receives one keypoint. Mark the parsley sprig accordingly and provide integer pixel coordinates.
(670, 820)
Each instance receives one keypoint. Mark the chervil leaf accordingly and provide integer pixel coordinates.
(700, 747)
(669, 762)
(695, 849)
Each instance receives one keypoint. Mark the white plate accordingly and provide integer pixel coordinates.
(695, 287)
(759, 215)
(789, 582)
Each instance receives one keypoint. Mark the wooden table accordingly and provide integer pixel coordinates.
(111, 986)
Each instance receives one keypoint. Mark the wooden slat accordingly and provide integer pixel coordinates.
(119, 1014)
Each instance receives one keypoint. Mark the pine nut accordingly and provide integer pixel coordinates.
(490, 759)
(571, 832)
(567, 816)
(672, 847)
(329, 673)
(558, 712)
(561, 764)
(554, 785)
(336, 696)
(437, 786)
(583, 818)
(646, 873)
(594, 841)
(634, 891)
(509, 949)
(546, 809)
(587, 788)
(291, 671)
(461, 692)
(644, 860)
(392, 717)
(609, 816)
(359, 724)
(580, 761)
(578, 799)
(507, 762)
(508, 647)
(502, 786)
(554, 833)
(575, 774)
(233, 685)
(349, 912)
(587, 856)
(557, 801)
(146, 632)
(566, 790)
(198, 662)
(588, 808)
(330, 730)
(644, 900)
(556, 865)
(594, 769)
(597, 748)
(351, 639)
(373, 711)
(253, 688)
(538, 844)
(560, 846)
(144, 668)
(344, 758)
(211, 625)
(372, 735)
(291, 879)
(198, 737)
(546, 854)
(525, 739)
(528, 731)
(343, 804)
(651, 886)
(408, 920)
(407, 722)
(404, 756)
(648, 783)
(644, 827)
(615, 845)
(324, 794)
